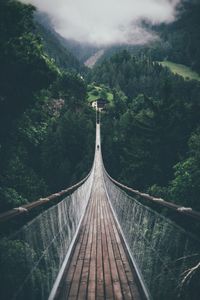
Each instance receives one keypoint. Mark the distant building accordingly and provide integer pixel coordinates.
(94, 104)
(99, 103)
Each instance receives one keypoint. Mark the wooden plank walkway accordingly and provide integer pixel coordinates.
(99, 267)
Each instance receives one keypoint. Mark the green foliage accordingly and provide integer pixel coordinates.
(42, 112)
(19, 175)
(17, 18)
(185, 187)
(50, 147)
(181, 70)
(179, 41)
(13, 257)
(68, 149)
(25, 69)
(47, 130)
(10, 198)
(146, 134)
(99, 91)
(136, 75)
(68, 85)
(63, 58)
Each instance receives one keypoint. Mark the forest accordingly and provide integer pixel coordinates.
(176, 42)
(47, 129)
(152, 142)
(151, 128)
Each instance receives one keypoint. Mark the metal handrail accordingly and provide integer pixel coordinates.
(10, 214)
(188, 211)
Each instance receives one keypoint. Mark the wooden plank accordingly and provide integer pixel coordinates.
(86, 264)
(92, 267)
(70, 271)
(114, 273)
(100, 272)
(124, 281)
(126, 273)
(107, 271)
(100, 267)
(76, 281)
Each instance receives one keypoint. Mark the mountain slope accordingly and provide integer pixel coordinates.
(178, 42)
(151, 137)
(46, 127)
(183, 36)
(54, 46)
(81, 51)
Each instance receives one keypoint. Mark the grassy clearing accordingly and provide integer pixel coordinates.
(91, 97)
(181, 70)
(110, 97)
(95, 92)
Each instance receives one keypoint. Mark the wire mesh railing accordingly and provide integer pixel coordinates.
(31, 259)
(165, 255)
(25, 209)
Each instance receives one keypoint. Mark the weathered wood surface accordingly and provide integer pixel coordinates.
(99, 267)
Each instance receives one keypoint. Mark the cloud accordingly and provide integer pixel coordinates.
(105, 22)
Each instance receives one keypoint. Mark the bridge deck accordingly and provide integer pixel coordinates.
(99, 267)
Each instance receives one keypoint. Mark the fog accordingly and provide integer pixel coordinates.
(105, 22)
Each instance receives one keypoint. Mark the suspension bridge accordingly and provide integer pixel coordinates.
(99, 242)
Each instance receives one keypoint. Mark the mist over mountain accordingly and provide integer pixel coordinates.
(178, 41)
(53, 45)
(150, 127)
(107, 22)
(182, 37)
(82, 51)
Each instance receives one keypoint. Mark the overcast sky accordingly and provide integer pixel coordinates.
(106, 21)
